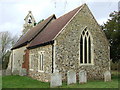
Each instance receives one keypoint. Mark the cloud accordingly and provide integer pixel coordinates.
(11, 27)
(13, 12)
(101, 21)
(84, 1)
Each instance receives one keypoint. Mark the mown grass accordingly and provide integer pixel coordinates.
(27, 82)
(0, 82)
(95, 84)
(22, 82)
(114, 83)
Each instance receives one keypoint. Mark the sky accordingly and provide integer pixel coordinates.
(13, 12)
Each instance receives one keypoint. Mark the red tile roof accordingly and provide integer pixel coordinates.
(52, 30)
(31, 34)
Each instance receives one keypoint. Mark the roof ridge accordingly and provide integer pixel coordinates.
(39, 31)
(72, 10)
(31, 34)
(54, 28)
(80, 7)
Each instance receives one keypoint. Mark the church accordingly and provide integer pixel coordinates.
(73, 41)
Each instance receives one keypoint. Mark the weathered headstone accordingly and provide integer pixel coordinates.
(0, 72)
(23, 72)
(82, 76)
(8, 72)
(3, 72)
(15, 72)
(56, 79)
(107, 76)
(71, 77)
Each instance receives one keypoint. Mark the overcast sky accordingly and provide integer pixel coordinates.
(13, 12)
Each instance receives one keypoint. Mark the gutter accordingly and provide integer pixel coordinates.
(40, 45)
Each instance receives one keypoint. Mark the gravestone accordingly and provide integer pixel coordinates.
(15, 72)
(71, 77)
(3, 72)
(23, 72)
(107, 76)
(8, 72)
(82, 76)
(56, 79)
(0, 72)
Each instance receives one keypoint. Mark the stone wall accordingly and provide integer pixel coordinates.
(17, 58)
(26, 60)
(68, 47)
(47, 63)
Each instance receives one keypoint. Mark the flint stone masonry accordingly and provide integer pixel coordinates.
(47, 63)
(23, 72)
(56, 79)
(107, 76)
(71, 77)
(17, 55)
(82, 76)
(68, 51)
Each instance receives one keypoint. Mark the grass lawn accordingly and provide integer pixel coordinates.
(95, 84)
(26, 82)
(0, 82)
(22, 82)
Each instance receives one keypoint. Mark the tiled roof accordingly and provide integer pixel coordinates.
(31, 34)
(52, 30)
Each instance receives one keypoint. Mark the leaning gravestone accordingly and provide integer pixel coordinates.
(15, 72)
(23, 72)
(0, 72)
(56, 79)
(71, 77)
(82, 76)
(107, 76)
(3, 72)
(8, 72)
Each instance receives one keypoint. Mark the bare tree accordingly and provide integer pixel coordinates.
(6, 42)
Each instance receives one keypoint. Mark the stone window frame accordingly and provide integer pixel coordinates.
(40, 53)
(31, 69)
(92, 49)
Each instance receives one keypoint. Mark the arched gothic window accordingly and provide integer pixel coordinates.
(85, 48)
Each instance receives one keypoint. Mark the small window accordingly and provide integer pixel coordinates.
(31, 65)
(40, 61)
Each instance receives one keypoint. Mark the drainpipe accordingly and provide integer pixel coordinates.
(53, 56)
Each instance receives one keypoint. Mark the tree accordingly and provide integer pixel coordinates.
(6, 42)
(112, 31)
(41, 21)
